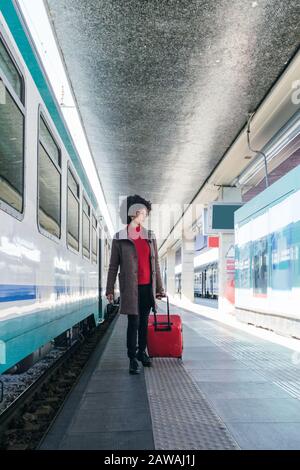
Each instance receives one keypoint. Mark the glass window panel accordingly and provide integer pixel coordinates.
(73, 185)
(281, 268)
(10, 70)
(49, 143)
(85, 235)
(260, 266)
(49, 194)
(73, 221)
(86, 207)
(94, 245)
(11, 151)
(243, 268)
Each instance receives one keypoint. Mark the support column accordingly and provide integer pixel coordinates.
(170, 271)
(187, 273)
(226, 273)
(226, 257)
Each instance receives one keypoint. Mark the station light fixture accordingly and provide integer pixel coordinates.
(284, 137)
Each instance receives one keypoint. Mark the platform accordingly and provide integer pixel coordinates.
(232, 390)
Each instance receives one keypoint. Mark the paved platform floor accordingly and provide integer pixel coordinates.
(211, 303)
(108, 408)
(238, 391)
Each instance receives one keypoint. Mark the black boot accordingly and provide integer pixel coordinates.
(144, 358)
(134, 367)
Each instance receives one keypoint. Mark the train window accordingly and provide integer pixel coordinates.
(73, 212)
(48, 143)
(11, 152)
(281, 267)
(94, 239)
(260, 266)
(49, 183)
(9, 69)
(85, 228)
(12, 133)
(106, 254)
(243, 273)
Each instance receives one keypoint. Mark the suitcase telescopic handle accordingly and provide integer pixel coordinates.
(167, 326)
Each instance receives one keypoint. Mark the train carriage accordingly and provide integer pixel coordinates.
(206, 281)
(52, 240)
(267, 249)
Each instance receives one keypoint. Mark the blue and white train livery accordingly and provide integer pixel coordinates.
(51, 235)
(267, 276)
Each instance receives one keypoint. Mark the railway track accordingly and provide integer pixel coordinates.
(27, 419)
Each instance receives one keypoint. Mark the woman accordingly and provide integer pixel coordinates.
(134, 249)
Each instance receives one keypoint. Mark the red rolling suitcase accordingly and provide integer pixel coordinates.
(165, 335)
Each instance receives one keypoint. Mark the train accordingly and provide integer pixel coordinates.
(205, 281)
(54, 244)
(267, 257)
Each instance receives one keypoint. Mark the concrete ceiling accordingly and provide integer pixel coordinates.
(164, 87)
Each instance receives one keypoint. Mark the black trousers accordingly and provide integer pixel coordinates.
(138, 324)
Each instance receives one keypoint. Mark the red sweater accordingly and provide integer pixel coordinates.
(143, 252)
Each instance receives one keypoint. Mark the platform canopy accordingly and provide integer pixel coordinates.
(164, 87)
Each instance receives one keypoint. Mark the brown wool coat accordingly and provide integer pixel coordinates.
(123, 254)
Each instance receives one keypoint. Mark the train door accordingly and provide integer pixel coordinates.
(211, 282)
(204, 283)
(100, 274)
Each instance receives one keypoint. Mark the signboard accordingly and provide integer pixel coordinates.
(213, 242)
(220, 216)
